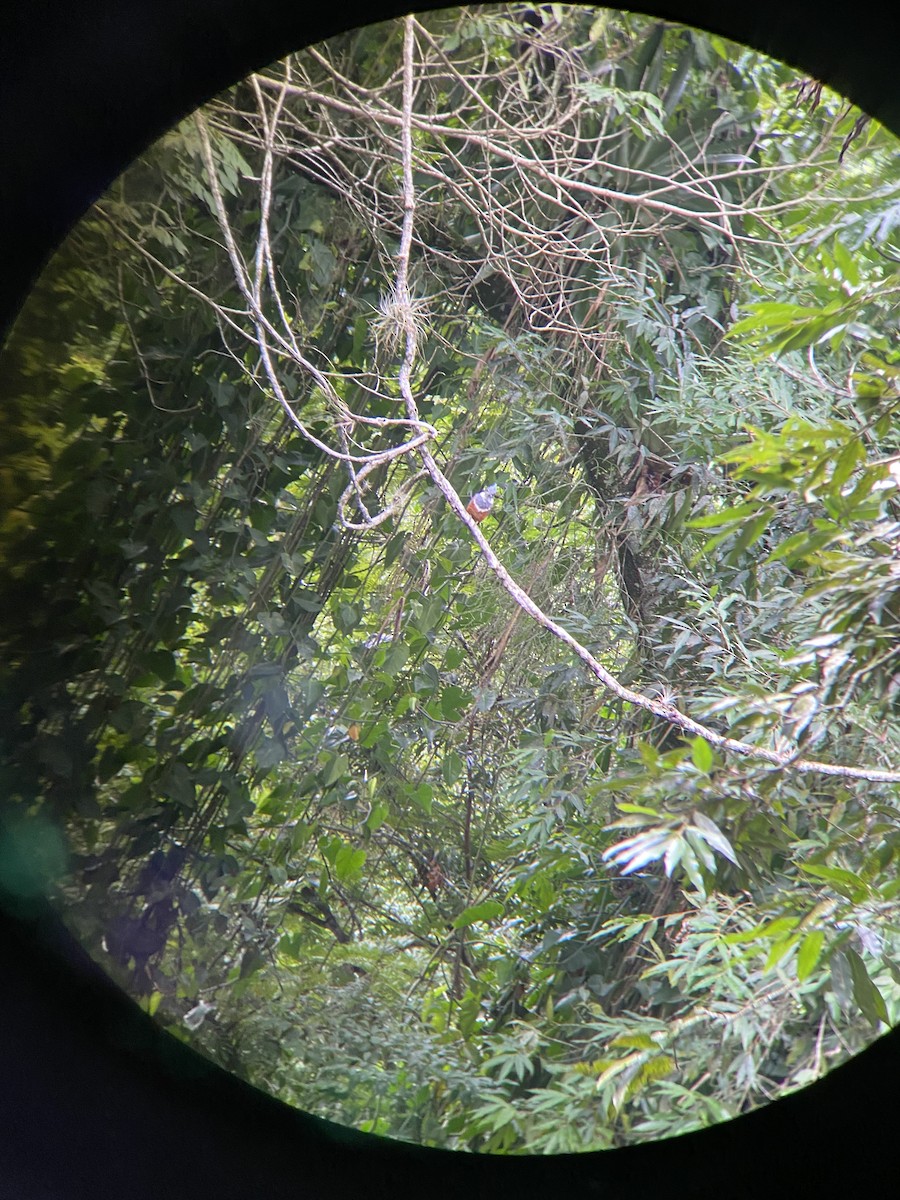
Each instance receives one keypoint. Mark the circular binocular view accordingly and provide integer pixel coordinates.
(450, 566)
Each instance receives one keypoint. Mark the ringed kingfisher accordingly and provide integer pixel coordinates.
(482, 503)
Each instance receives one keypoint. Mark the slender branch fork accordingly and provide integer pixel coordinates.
(266, 335)
(276, 342)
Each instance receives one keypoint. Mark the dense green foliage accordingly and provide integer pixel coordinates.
(335, 808)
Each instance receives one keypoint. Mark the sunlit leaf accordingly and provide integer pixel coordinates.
(487, 911)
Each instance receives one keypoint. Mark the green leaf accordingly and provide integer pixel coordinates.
(251, 961)
(335, 769)
(634, 1041)
(451, 768)
(780, 949)
(160, 664)
(392, 660)
(725, 518)
(751, 531)
(846, 883)
(488, 910)
(767, 929)
(865, 993)
(701, 754)
(455, 702)
(699, 845)
(178, 784)
(348, 863)
(426, 680)
(423, 797)
(809, 953)
(636, 852)
(269, 752)
(430, 612)
(346, 617)
(711, 834)
(673, 856)
(377, 816)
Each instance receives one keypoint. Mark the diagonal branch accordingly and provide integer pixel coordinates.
(666, 712)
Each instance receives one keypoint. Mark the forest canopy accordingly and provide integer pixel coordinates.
(560, 822)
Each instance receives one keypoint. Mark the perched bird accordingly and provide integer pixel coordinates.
(482, 503)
